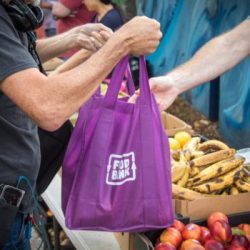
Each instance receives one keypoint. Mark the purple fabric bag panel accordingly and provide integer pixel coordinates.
(116, 171)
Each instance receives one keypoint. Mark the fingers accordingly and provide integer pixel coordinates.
(96, 43)
(101, 27)
(105, 35)
(133, 98)
(98, 37)
(152, 84)
(89, 36)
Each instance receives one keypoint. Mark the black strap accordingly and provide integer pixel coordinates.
(52, 144)
(32, 50)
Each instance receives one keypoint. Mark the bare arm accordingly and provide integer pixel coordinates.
(49, 101)
(213, 59)
(60, 11)
(73, 61)
(46, 5)
(88, 36)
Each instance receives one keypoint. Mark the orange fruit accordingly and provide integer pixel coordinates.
(182, 137)
(174, 144)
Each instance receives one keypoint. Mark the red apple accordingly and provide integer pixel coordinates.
(165, 246)
(214, 245)
(191, 245)
(191, 231)
(240, 240)
(246, 229)
(205, 234)
(216, 216)
(178, 225)
(171, 235)
(235, 247)
(221, 231)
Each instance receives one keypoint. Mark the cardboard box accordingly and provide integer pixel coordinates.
(133, 241)
(172, 124)
(124, 240)
(200, 209)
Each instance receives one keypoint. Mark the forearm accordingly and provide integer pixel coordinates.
(213, 59)
(73, 61)
(50, 100)
(46, 5)
(54, 46)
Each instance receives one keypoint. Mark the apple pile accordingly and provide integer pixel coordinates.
(218, 235)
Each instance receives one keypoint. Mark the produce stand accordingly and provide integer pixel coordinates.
(236, 206)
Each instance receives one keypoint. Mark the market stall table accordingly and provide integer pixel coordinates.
(82, 240)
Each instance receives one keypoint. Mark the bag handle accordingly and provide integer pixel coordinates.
(129, 84)
(145, 93)
(116, 80)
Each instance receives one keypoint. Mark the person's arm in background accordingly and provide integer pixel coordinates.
(76, 59)
(213, 59)
(59, 10)
(51, 100)
(46, 5)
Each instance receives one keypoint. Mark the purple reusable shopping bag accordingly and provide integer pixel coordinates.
(116, 172)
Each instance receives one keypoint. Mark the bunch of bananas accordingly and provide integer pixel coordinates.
(208, 168)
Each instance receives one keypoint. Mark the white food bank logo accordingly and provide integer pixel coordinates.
(121, 168)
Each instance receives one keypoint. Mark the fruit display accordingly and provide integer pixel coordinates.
(218, 235)
(207, 168)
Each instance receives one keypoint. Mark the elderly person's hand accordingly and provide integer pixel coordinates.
(142, 35)
(90, 36)
(164, 90)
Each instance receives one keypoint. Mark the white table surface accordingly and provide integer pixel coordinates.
(82, 240)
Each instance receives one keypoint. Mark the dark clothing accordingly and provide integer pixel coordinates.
(20, 234)
(19, 142)
(112, 19)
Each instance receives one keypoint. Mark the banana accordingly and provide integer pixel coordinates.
(246, 170)
(234, 190)
(220, 182)
(178, 170)
(192, 144)
(194, 171)
(214, 145)
(224, 193)
(197, 154)
(183, 181)
(242, 186)
(217, 169)
(175, 154)
(187, 154)
(246, 179)
(186, 194)
(212, 157)
(183, 157)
